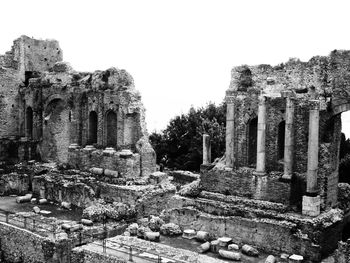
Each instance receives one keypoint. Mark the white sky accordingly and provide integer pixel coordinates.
(180, 52)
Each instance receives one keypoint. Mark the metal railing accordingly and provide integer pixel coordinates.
(31, 223)
(79, 238)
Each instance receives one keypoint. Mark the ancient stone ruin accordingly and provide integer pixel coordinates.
(77, 142)
(53, 113)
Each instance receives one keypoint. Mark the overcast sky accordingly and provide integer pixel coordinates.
(179, 52)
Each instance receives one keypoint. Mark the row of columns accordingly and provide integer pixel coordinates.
(311, 201)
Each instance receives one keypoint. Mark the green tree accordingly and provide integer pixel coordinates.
(180, 144)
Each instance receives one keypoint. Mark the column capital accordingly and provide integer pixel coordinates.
(262, 100)
(314, 104)
(230, 99)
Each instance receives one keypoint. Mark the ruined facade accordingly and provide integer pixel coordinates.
(277, 185)
(53, 113)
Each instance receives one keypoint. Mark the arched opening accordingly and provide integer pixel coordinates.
(29, 123)
(111, 127)
(280, 139)
(92, 127)
(252, 140)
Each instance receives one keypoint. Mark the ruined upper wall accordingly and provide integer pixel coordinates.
(326, 77)
(28, 54)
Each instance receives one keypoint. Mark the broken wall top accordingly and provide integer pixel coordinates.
(28, 54)
(322, 77)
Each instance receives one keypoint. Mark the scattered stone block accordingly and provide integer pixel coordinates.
(142, 230)
(24, 199)
(44, 212)
(157, 177)
(204, 247)
(250, 251)
(224, 241)
(233, 247)
(87, 222)
(270, 259)
(284, 257)
(189, 233)
(111, 173)
(133, 229)
(43, 201)
(97, 171)
(152, 236)
(36, 209)
(214, 246)
(66, 205)
(155, 223)
(126, 233)
(170, 229)
(202, 236)
(76, 227)
(296, 258)
(143, 221)
(236, 256)
(33, 200)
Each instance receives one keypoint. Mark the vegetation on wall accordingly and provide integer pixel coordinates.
(344, 156)
(179, 146)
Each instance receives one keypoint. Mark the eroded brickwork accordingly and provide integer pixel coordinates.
(44, 101)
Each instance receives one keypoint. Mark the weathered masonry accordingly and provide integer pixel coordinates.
(283, 130)
(50, 112)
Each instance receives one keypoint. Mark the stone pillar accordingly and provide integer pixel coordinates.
(289, 140)
(311, 201)
(206, 149)
(261, 140)
(230, 127)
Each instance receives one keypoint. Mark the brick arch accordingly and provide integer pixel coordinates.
(51, 98)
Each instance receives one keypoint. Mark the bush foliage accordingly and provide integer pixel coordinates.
(179, 146)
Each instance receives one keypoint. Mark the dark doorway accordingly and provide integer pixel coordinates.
(29, 123)
(111, 125)
(280, 142)
(252, 140)
(93, 127)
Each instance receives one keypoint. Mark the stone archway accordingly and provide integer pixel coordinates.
(93, 123)
(252, 140)
(29, 123)
(55, 131)
(111, 128)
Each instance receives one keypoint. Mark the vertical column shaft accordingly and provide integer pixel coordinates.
(230, 126)
(206, 149)
(312, 153)
(261, 155)
(289, 139)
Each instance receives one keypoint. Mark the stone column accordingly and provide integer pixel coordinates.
(289, 140)
(230, 127)
(260, 156)
(311, 201)
(206, 149)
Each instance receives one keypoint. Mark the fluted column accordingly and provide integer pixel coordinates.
(261, 140)
(206, 149)
(289, 139)
(311, 201)
(230, 126)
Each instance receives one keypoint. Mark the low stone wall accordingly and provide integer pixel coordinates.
(183, 177)
(261, 224)
(127, 165)
(23, 246)
(244, 183)
(81, 255)
(55, 188)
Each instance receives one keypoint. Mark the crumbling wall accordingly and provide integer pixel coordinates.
(244, 183)
(20, 245)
